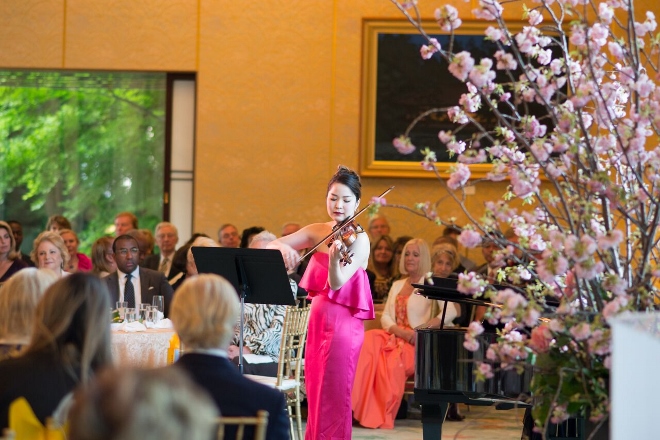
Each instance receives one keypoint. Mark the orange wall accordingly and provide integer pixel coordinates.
(278, 104)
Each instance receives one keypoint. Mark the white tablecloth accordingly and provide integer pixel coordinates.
(147, 349)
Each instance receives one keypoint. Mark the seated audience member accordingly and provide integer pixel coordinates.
(248, 234)
(17, 229)
(465, 263)
(10, 263)
(103, 261)
(142, 405)
(184, 260)
(167, 236)
(378, 226)
(381, 268)
(49, 252)
(78, 262)
(387, 357)
(18, 300)
(57, 222)
(290, 228)
(399, 243)
(142, 241)
(70, 341)
(150, 241)
(228, 236)
(132, 283)
(124, 222)
(262, 327)
(204, 312)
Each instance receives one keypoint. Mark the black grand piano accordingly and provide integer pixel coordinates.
(444, 368)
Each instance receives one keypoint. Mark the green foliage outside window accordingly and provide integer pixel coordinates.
(83, 145)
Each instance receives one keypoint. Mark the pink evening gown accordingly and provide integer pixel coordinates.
(334, 340)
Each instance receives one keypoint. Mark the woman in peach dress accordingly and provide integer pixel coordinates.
(387, 358)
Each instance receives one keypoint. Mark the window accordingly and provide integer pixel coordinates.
(85, 145)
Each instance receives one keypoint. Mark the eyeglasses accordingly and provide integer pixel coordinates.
(123, 251)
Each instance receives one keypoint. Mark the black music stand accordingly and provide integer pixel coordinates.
(258, 275)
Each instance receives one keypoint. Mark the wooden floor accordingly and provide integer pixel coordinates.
(485, 423)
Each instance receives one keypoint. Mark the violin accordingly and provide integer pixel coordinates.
(345, 232)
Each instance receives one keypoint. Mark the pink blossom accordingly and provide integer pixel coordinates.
(447, 18)
(470, 284)
(486, 370)
(445, 136)
(403, 145)
(505, 61)
(459, 176)
(475, 328)
(609, 240)
(544, 57)
(527, 39)
(589, 269)
(598, 34)
(493, 33)
(457, 115)
(557, 66)
(427, 51)
(505, 97)
(482, 75)
(550, 266)
(615, 49)
(379, 201)
(472, 157)
(580, 331)
(531, 317)
(470, 101)
(456, 147)
(461, 65)
(615, 284)
(469, 238)
(605, 13)
(559, 414)
(613, 307)
(599, 343)
(488, 10)
(470, 344)
(541, 338)
(535, 17)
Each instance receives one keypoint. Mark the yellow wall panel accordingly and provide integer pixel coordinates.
(131, 35)
(31, 33)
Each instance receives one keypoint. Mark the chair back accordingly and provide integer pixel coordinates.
(292, 347)
(25, 425)
(258, 423)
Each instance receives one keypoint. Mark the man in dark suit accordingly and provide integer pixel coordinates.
(17, 230)
(167, 236)
(132, 283)
(204, 312)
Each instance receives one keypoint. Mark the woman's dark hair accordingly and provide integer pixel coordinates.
(248, 234)
(349, 178)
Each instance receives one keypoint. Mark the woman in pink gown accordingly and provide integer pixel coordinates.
(341, 300)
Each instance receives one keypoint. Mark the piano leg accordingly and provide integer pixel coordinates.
(433, 415)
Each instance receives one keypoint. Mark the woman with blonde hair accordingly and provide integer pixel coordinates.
(70, 341)
(50, 252)
(18, 301)
(387, 358)
(10, 263)
(103, 260)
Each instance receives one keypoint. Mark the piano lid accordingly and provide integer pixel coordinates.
(444, 289)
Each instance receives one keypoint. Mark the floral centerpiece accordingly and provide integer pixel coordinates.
(583, 197)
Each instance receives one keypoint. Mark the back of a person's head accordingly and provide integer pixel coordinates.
(260, 240)
(159, 404)
(72, 319)
(18, 301)
(204, 311)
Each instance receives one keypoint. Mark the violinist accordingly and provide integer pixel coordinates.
(338, 286)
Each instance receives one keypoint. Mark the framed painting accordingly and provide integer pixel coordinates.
(398, 85)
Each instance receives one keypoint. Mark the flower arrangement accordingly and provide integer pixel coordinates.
(583, 199)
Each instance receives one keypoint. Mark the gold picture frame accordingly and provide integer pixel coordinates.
(398, 85)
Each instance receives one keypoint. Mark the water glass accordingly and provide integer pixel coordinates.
(151, 316)
(156, 315)
(158, 301)
(143, 311)
(131, 314)
(121, 309)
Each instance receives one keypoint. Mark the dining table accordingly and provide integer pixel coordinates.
(141, 349)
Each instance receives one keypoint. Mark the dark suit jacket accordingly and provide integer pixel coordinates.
(236, 395)
(153, 262)
(151, 283)
(39, 377)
